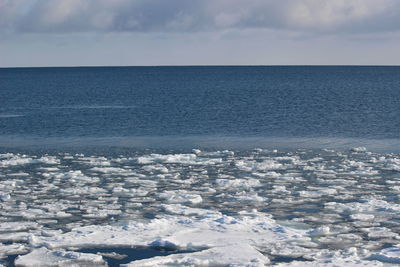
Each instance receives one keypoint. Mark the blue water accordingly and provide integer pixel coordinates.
(200, 105)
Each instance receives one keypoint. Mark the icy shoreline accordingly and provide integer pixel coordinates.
(246, 208)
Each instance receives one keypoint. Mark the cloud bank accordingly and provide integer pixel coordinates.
(320, 16)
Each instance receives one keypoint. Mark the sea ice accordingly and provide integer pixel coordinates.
(237, 255)
(13, 249)
(180, 197)
(17, 226)
(389, 255)
(48, 258)
(314, 206)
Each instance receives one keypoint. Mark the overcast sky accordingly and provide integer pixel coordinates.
(199, 32)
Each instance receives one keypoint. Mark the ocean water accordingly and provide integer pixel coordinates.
(143, 106)
(200, 166)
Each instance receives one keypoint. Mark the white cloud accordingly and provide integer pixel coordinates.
(199, 15)
(9, 10)
(325, 14)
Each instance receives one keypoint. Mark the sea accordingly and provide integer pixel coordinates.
(200, 166)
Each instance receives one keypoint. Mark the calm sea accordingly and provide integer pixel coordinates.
(230, 106)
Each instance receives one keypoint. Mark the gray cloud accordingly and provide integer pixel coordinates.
(320, 16)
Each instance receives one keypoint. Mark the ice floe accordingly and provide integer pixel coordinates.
(389, 255)
(237, 255)
(44, 257)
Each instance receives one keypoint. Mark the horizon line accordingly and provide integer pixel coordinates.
(202, 65)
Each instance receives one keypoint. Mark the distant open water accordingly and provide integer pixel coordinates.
(218, 107)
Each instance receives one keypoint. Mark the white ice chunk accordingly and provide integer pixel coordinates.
(367, 206)
(379, 232)
(362, 217)
(239, 256)
(96, 161)
(113, 171)
(4, 196)
(358, 149)
(318, 193)
(210, 231)
(280, 189)
(17, 226)
(192, 159)
(265, 165)
(333, 262)
(244, 196)
(389, 255)
(180, 196)
(44, 257)
(320, 231)
(13, 249)
(237, 183)
(22, 160)
(129, 192)
(155, 168)
(39, 213)
(183, 210)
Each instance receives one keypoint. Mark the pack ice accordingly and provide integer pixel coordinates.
(200, 208)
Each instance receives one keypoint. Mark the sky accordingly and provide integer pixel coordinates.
(199, 32)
